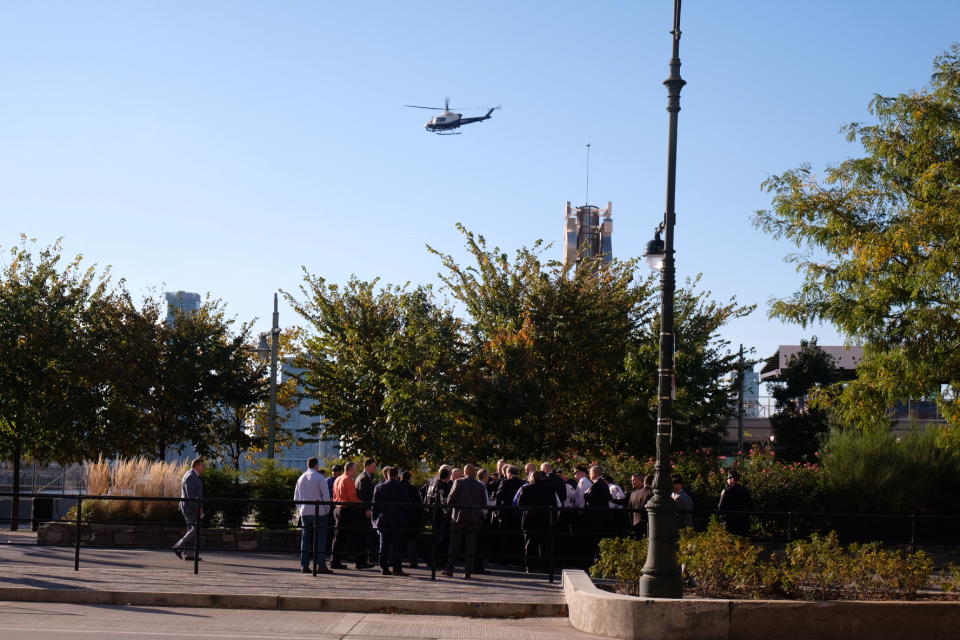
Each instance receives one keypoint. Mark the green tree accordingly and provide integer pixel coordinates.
(289, 395)
(44, 303)
(202, 370)
(798, 425)
(238, 390)
(879, 238)
(702, 405)
(547, 343)
(564, 357)
(551, 359)
(381, 367)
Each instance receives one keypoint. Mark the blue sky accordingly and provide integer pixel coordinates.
(220, 146)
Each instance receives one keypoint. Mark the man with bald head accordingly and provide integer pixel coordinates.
(554, 481)
(467, 497)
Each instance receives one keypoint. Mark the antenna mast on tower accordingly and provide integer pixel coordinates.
(587, 199)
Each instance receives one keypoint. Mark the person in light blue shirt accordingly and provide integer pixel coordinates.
(312, 487)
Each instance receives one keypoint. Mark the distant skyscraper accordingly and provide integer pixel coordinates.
(586, 234)
(185, 301)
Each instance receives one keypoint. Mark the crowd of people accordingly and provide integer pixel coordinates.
(525, 520)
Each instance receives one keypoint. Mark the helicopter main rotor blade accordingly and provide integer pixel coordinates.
(416, 106)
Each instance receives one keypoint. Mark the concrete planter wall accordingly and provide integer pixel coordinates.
(618, 616)
(148, 535)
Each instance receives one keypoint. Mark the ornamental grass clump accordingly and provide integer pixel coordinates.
(134, 477)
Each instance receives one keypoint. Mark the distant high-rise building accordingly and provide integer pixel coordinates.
(586, 234)
(751, 390)
(297, 420)
(184, 301)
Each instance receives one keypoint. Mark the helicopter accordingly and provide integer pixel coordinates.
(447, 123)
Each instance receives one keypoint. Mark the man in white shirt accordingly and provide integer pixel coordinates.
(583, 483)
(311, 487)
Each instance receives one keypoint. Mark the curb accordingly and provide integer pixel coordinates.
(613, 615)
(460, 608)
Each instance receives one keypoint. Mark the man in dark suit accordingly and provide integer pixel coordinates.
(416, 520)
(365, 483)
(390, 517)
(735, 505)
(538, 499)
(434, 495)
(596, 515)
(554, 481)
(507, 518)
(191, 489)
(467, 497)
(642, 492)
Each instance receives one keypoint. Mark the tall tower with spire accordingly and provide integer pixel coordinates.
(588, 232)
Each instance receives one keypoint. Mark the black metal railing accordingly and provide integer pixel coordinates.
(538, 539)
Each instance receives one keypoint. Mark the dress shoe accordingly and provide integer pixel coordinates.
(466, 576)
(179, 553)
(337, 565)
(305, 570)
(385, 572)
(190, 558)
(447, 572)
(323, 570)
(414, 565)
(401, 573)
(364, 565)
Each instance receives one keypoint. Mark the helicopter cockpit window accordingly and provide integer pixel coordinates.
(439, 119)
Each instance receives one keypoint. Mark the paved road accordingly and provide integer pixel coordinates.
(41, 621)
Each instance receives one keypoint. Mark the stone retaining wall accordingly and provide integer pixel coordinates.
(153, 535)
(618, 616)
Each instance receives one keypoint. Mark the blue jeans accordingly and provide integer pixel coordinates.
(306, 539)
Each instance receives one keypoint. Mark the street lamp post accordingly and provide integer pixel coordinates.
(661, 574)
(272, 349)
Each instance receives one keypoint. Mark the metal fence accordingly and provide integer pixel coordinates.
(43, 478)
(537, 539)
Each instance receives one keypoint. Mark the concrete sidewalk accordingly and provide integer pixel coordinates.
(262, 581)
(42, 621)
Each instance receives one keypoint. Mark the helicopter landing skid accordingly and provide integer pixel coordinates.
(448, 133)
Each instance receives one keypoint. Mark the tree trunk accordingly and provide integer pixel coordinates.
(15, 505)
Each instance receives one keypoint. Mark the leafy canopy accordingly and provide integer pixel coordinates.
(880, 239)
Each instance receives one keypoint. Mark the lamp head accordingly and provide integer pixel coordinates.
(655, 253)
(263, 348)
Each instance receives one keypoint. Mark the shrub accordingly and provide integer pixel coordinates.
(225, 482)
(950, 582)
(865, 470)
(821, 569)
(816, 569)
(621, 559)
(722, 564)
(270, 481)
(887, 573)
